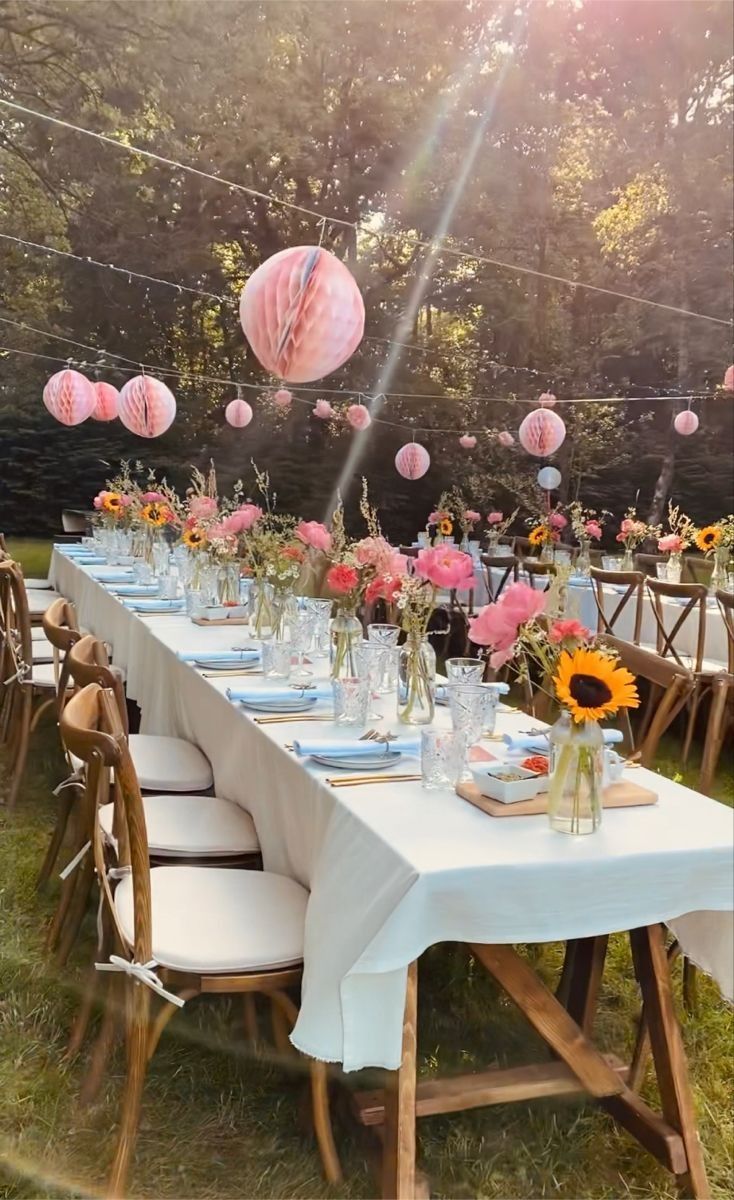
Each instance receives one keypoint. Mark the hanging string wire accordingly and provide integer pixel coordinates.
(359, 226)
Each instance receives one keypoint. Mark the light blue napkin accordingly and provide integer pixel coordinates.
(135, 589)
(154, 605)
(71, 548)
(88, 560)
(112, 575)
(335, 748)
(580, 581)
(243, 656)
(538, 743)
(251, 695)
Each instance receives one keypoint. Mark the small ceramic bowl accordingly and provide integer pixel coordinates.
(215, 612)
(491, 781)
(236, 611)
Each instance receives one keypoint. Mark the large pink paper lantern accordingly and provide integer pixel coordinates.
(728, 384)
(541, 432)
(147, 406)
(412, 460)
(467, 441)
(505, 438)
(302, 313)
(282, 398)
(108, 399)
(69, 397)
(238, 413)
(686, 423)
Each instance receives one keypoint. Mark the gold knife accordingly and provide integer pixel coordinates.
(228, 671)
(362, 780)
(296, 717)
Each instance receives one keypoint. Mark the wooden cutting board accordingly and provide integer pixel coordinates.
(221, 621)
(617, 795)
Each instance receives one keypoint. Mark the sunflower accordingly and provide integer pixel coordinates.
(194, 538)
(112, 502)
(538, 536)
(155, 514)
(445, 527)
(593, 686)
(708, 538)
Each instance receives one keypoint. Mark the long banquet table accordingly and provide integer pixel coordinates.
(394, 869)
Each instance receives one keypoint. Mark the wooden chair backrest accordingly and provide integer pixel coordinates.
(507, 563)
(410, 551)
(693, 596)
(633, 582)
(15, 621)
(725, 601)
(523, 547)
(92, 730)
(567, 549)
(536, 571)
(62, 630)
(89, 663)
(698, 568)
(648, 563)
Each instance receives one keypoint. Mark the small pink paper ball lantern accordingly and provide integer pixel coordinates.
(728, 384)
(412, 460)
(686, 423)
(147, 406)
(302, 313)
(282, 398)
(467, 441)
(108, 399)
(323, 410)
(358, 416)
(541, 432)
(238, 413)
(69, 397)
(547, 400)
(505, 438)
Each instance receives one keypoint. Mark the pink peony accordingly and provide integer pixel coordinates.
(202, 507)
(671, 544)
(467, 441)
(494, 518)
(245, 517)
(445, 567)
(557, 521)
(152, 497)
(376, 552)
(433, 518)
(99, 499)
(498, 624)
(505, 438)
(313, 533)
(593, 530)
(342, 579)
(472, 516)
(125, 500)
(323, 410)
(565, 631)
(358, 416)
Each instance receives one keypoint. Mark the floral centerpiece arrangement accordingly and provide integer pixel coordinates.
(632, 533)
(454, 509)
(587, 525)
(680, 535)
(586, 680)
(497, 526)
(545, 530)
(116, 505)
(718, 540)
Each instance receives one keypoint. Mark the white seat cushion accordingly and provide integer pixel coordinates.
(44, 676)
(36, 584)
(42, 650)
(167, 764)
(201, 825)
(216, 920)
(39, 601)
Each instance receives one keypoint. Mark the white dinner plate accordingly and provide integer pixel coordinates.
(360, 762)
(298, 704)
(227, 664)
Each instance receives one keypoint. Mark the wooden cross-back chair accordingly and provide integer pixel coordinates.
(181, 932)
(507, 564)
(537, 574)
(648, 563)
(691, 598)
(609, 617)
(673, 686)
(721, 716)
(698, 568)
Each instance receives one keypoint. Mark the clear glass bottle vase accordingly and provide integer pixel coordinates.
(228, 583)
(583, 558)
(416, 681)
(719, 573)
(576, 776)
(261, 609)
(345, 641)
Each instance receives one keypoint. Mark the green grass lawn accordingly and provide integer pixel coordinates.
(220, 1120)
(33, 554)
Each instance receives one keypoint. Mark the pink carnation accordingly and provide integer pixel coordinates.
(202, 507)
(383, 587)
(557, 521)
(565, 631)
(313, 533)
(358, 416)
(671, 544)
(445, 567)
(494, 518)
(152, 497)
(342, 579)
(323, 410)
(593, 530)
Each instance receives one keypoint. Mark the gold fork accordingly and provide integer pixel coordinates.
(363, 780)
(296, 717)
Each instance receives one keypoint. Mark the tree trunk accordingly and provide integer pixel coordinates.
(664, 482)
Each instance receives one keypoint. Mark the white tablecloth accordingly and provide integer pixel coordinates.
(394, 869)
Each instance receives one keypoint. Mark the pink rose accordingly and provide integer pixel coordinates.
(564, 631)
(472, 516)
(358, 416)
(202, 507)
(445, 567)
(152, 497)
(494, 518)
(313, 533)
(557, 521)
(505, 438)
(671, 544)
(593, 530)
(323, 410)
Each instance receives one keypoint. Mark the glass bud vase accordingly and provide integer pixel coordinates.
(345, 642)
(416, 681)
(674, 568)
(261, 610)
(576, 776)
(493, 541)
(628, 561)
(228, 583)
(583, 558)
(719, 573)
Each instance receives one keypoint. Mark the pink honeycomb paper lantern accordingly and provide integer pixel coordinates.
(323, 410)
(728, 383)
(467, 441)
(69, 397)
(686, 423)
(412, 460)
(238, 413)
(505, 438)
(547, 400)
(282, 398)
(147, 406)
(541, 432)
(358, 416)
(302, 313)
(108, 400)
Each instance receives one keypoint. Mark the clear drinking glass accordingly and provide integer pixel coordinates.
(168, 587)
(661, 570)
(276, 659)
(611, 562)
(351, 700)
(320, 613)
(142, 572)
(373, 660)
(442, 758)
(464, 670)
(161, 557)
(387, 637)
(472, 708)
(302, 635)
(196, 601)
